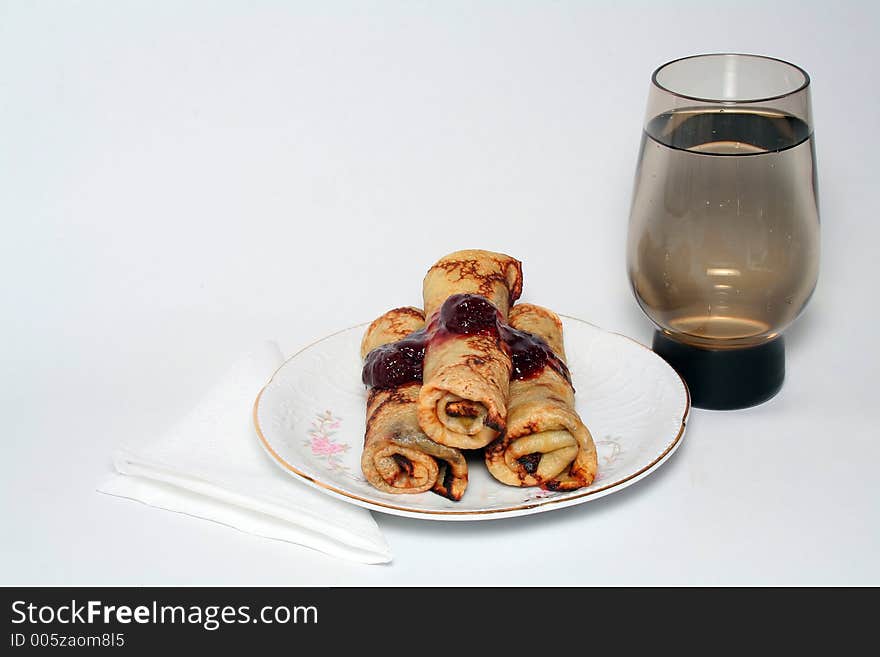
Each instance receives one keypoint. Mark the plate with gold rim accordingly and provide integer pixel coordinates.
(310, 419)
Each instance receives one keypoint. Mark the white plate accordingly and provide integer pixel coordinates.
(310, 418)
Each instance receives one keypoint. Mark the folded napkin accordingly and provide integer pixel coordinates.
(211, 465)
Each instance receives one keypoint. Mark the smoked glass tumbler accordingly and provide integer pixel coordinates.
(723, 243)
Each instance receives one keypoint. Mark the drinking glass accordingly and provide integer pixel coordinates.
(723, 242)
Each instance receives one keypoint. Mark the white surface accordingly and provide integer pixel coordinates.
(311, 417)
(210, 465)
(169, 175)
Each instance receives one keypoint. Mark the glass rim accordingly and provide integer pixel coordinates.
(728, 101)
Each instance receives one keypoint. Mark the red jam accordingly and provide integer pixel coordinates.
(396, 364)
(529, 354)
(469, 314)
(399, 363)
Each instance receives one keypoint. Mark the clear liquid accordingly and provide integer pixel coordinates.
(724, 232)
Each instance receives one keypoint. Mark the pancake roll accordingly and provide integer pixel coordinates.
(496, 276)
(397, 456)
(546, 444)
(463, 399)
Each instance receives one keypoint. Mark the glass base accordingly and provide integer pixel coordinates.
(726, 379)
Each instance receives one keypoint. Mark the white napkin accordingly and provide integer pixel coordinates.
(210, 465)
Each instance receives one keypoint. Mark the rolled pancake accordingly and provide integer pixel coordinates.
(397, 456)
(463, 401)
(496, 276)
(546, 443)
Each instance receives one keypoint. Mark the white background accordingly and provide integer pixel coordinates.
(179, 180)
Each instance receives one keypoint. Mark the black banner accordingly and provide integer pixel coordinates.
(201, 618)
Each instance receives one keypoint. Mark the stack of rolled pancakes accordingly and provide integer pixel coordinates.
(472, 387)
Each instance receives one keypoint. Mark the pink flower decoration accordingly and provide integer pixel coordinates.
(325, 447)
